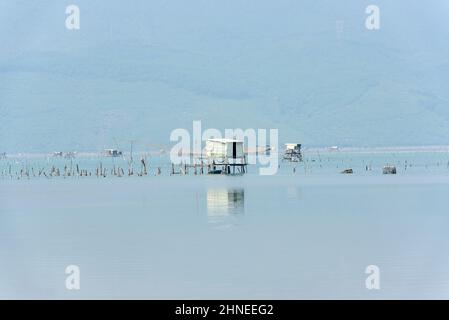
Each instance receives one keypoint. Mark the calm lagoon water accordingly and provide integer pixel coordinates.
(308, 234)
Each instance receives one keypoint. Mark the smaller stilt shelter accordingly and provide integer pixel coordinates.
(292, 152)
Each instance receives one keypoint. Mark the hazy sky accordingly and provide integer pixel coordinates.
(139, 69)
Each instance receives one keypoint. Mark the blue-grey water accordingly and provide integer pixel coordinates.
(304, 234)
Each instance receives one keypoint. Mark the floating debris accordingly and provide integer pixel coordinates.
(389, 170)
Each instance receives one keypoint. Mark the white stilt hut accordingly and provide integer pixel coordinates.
(225, 156)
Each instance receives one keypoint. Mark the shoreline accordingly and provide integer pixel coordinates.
(360, 150)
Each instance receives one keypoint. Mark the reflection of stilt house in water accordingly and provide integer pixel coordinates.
(225, 156)
(225, 202)
(292, 152)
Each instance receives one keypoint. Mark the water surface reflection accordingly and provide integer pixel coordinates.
(225, 203)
